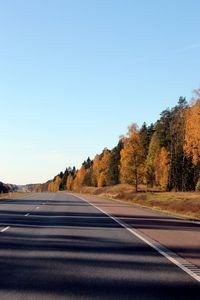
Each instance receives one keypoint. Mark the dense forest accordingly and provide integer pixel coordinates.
(165, 154)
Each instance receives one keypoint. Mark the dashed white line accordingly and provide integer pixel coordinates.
(6, 228)
(171, 256)
(28, 214)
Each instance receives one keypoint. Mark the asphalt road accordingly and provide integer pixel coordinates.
(57, 246)
(179, 235)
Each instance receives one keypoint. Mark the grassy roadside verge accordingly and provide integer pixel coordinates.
(12, 195)
(182, 204)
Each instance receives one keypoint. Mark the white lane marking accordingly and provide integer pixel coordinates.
(171, 256)
(6, 228)
(28, 214)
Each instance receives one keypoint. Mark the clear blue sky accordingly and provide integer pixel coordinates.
(74, 74)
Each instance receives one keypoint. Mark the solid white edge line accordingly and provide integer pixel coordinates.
(157, 247)
(6, 228)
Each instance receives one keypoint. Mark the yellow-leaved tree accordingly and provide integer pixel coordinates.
(152, 160)
(162, 169)
(78, 181)
(100, 168)
(55, 184)
(103, 168)
(132, 158)
(69, 182)
(157, 163)
(192, 132)
(95, 170)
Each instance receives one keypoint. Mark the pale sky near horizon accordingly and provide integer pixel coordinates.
(74, 74)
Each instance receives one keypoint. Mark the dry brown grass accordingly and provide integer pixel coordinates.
(12, 195)
(183, 204)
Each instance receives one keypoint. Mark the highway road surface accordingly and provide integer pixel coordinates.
(63, 246)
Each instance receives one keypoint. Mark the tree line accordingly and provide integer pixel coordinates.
(164, 154)
(7, 188)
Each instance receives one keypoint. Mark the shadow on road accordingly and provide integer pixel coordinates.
(85, 255)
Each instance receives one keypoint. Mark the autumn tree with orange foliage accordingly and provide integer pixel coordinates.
(79, 180)
(69, 183)
(165, 154)
(157, 164)
(104, 165)
(152, 160)
(132, 158)
(192, 132)
(100, 168)
(192, 137)
(54, 185)
(95, 171)
(162, 170)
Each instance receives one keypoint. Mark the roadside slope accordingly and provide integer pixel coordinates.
(182, 204)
